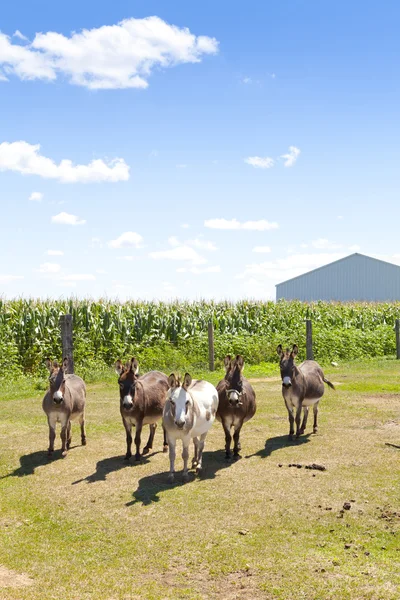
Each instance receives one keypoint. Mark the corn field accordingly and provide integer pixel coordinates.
(177, 332)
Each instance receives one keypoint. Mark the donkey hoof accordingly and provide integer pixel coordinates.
(185, 477)
(146, 450)
(171, 478)
(137, 457)
(290, 437)
(68, 445)
(165, 448)
(236, 456)
(194, 464)
(49, 453)
(127, 456)
(83, 442)
(64, 453)
(228, 456)
(315, 430)
(199, 470)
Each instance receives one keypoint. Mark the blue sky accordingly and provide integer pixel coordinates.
(215, 148)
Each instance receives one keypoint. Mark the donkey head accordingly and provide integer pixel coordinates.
(234, 379)
(57, 379)
(287, 366)
(128, 375)
(179, 399)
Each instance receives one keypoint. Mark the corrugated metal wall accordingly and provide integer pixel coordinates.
(356, 277)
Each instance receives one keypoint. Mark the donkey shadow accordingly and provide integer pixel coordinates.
(111, 465)
(150, 487)
(279, 442)
(30, 462)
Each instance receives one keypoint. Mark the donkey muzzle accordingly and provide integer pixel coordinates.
(286, 382)
(180, 424)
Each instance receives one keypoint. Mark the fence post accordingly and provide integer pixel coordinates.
(398, 339)
(211, 345)
(309, 348)
(67, 344)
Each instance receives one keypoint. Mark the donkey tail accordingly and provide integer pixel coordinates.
(329, 383)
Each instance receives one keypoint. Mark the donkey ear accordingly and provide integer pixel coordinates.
(295, 350)
(172, 382)
(227, 361)
(279, 350)
(134, 366)
(65, 363)
(49, 365)
(187, 380)
(240, 361)
(119, 369)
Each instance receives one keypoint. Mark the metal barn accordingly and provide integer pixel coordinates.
(355, 277)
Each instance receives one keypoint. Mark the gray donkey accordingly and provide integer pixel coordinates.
(302, 387)
(64, 402)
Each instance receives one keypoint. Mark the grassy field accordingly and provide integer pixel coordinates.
(93, 526)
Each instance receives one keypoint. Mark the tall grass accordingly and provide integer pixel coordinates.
(168, 334)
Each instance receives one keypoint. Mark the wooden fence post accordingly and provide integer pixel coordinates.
(211, 345)
(309, 348)
(398, 339)
(67, 344)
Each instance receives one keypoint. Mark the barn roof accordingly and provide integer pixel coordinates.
(335, 262)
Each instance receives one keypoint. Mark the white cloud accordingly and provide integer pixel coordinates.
(340, 217)
(25, 158)
(285, 268)
(202, 244)
(247, 80)
(261, 225)
(96, 242)
(183, 253)
(260, 163)
(20, 35)
(49, 268)
(291, 157)
(324, 244)
(107, 57)
(36, 196)
(262, 249)
(64, 218)
(9, 278)
(55, 252)
(78, 277)
(199, 271)
(129, 239)
(173, 241)
(128, 258)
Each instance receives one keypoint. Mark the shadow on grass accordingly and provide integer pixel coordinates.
(30, 462)
(111, 465)
(150, 487)
(279, 442)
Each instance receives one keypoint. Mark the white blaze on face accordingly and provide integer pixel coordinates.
(57, 396)
(179, 397)
(287, 381)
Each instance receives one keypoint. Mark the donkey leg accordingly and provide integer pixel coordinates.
(201, 448)
(149, 444)
(64, 428)
(185, 456)
(228, 439)
(137, 440)
(196, 452)
(297, 419)
(236, 439)
(69, 435)
(128, 429)
(305, 417)
(52, 434)
(165, 442)
(291, 424)
(83, 430)
(315, 410)
(172, 454)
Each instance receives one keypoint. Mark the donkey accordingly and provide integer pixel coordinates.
(302, 387)
(188, 414)
(142, 401)
(237, 402)
(64, 402)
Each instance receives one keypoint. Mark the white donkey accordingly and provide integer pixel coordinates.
(189, 412)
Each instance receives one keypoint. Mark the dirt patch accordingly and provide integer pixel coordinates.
(381, 400)
(10, 578)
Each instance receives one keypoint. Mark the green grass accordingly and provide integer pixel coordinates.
(93, 526)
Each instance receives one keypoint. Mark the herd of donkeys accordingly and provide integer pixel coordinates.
(187, 407)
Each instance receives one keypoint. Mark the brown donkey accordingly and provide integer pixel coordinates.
(237, 402)
(142, 401)
(302, 387)
(64, 402)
